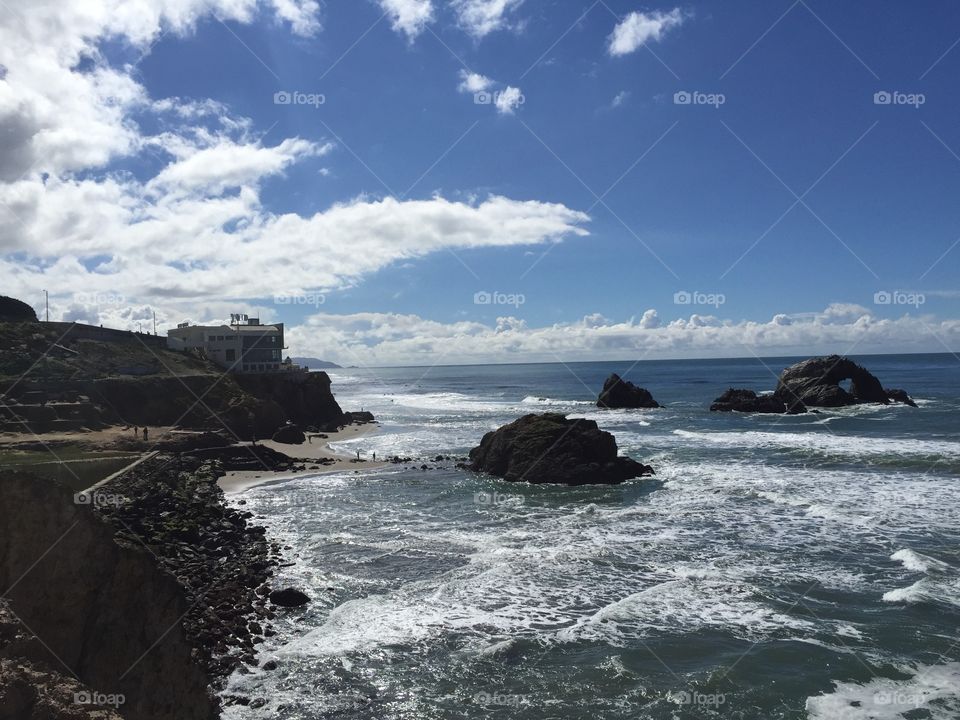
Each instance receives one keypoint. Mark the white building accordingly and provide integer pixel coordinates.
(243, 346)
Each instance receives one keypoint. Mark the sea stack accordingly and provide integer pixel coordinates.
(550, 448)
(747, 401)
(620, 393)
(816, 382)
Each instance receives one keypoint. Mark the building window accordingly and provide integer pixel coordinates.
(231, 355)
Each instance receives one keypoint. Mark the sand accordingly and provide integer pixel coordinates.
(238, 481)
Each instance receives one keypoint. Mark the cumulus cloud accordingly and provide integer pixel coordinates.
(638, 27)
(471, 82)
(482, 17)
(650, 319)
(410, 17)
(392, 339)
(508, 100)
(619, 98)
(303, 15)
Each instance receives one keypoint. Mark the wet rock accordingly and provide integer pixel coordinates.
(900, 396)
(620, 393)
(289, 597)
(549, 448)
(740, 400)
(816, 383)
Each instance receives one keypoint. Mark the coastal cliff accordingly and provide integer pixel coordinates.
(101, 610)
(149, 590)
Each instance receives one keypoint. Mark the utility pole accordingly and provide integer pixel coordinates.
(154, 322)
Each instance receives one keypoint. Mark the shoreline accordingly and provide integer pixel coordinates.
(235, 482)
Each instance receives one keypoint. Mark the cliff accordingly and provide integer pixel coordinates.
(101, 610)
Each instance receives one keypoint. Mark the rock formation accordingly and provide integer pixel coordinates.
(816, 383)
(900, 396)
(13, 310)
(289, 435)
(740, 400)
(96, 605)
(549, 448)
(619, 393)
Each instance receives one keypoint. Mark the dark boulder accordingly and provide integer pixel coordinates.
(289, 597)
(900, 396)
(620, 393)
(816, 382)
(549, 448)
(13, 310)
(360, 417)
(289, 435)
(738, 400)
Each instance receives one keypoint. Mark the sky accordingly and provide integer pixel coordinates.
(453, 181)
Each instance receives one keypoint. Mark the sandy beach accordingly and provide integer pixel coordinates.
(309, 453)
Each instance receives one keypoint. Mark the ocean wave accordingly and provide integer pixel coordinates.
(826, 442)
(934, 689)
(912, 560)
(549, 402)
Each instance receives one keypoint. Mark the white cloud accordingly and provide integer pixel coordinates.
(650, 319)
(482, 17)
(619, 98)
(229, 164)
(391, 339)
(471, 82)
(303, 15)
(508, 100)
(637, 28)
(410, 17)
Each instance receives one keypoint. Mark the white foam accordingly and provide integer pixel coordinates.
(550, 402)
(921, 563)
(927, 590)
(933, 688)
(826, 442)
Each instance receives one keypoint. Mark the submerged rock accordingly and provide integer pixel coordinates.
(620, 393)
(549, 448)
(816, 382)
(900, 396)
(289, 597)
(740, 400)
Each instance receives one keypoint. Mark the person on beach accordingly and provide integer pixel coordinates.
(136, 431)
(374, 455)
(358, 456)
(144, 434)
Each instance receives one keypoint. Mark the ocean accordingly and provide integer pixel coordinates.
(777, 566)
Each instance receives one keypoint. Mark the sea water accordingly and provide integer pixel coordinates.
(777, 566)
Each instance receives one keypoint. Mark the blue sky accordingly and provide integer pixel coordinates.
(789, 193)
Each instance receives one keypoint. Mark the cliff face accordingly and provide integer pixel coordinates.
(101, 611)
(249, 405)
(304, 398)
